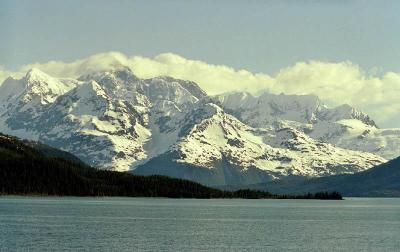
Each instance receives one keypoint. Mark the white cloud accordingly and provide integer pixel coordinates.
(4, 74)
(335, 83)
(213, 78)
(345, 82)
(97, 62)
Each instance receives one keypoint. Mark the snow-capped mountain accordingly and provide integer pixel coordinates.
(23, 101)
(343, 126)
(216, 148)
(268, 108)
(115, 120)
(356, 135)
(105, 117)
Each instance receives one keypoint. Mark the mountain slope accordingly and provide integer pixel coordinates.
(380, 181)
(116, 121)
(342, 126)
(215, 148)
(268, 108)
(356, 135)
(103, 119)
(25, 170)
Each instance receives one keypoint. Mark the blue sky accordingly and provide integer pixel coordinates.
(343, 51)
(261, 36)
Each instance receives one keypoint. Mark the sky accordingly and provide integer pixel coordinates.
(343, 51)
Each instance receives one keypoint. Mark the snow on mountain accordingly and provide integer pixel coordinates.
(44, 88)
(343, 112)
(35, 88)
(104, 118)
(285, 152)
(22, 101)
(102, 131)
(217, 144)
(268, 108)
(114, 120)
(342, 126)
(356, 135)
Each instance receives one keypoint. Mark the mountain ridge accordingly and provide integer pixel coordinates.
(31, 168)
(380, 181)
(114, 120)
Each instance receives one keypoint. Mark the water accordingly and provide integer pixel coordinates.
(139, 224)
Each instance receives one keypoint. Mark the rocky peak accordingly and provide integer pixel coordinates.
(39, 85)
(345, 111)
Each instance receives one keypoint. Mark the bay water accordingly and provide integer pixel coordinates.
(158, 224)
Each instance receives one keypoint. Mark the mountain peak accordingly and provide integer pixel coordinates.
(39, 85)
(34, 74)
(114, 120)
(121, 72)
(345, 111)
(267, 108)
(89, 89)
(125, 73)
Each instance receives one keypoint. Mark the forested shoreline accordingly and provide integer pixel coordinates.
(27, 171)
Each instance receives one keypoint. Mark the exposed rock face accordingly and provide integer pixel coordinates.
(115, 120)
(343, 126)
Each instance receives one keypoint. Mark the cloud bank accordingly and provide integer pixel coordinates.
(334, 83)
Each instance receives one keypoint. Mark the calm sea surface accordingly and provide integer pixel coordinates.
(141, 224)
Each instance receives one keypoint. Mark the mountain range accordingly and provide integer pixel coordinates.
(30, 168)
(380, 181)
(114, 120)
